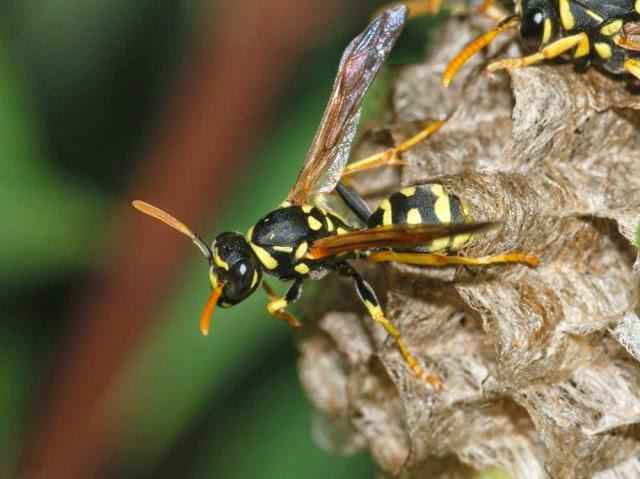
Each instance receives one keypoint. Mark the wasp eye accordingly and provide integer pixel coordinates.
(531, 28)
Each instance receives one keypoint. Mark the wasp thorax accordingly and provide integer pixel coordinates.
(235, 266)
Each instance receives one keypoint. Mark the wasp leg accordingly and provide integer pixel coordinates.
(438, 259)
(277, 306)
(417, 8)
(633, 67)
(391, 156)
(354, 201)
(368, 297)
(550, 51)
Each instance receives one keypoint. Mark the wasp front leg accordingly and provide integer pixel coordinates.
(552, 50)
(368, 297)
(277, 306)
(391, 156)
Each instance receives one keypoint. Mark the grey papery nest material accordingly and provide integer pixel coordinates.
(540, 366)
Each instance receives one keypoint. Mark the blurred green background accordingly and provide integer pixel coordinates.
(82, 86)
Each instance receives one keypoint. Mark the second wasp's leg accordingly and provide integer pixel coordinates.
(368, 297)
(633, 67)
(437, 259)
(390, 156)
(277, 306)
(550, 51)
(417, 8)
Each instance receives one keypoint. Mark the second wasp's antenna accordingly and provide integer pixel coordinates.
(474, 47)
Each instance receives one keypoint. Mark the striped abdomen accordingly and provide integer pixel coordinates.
(424, 204)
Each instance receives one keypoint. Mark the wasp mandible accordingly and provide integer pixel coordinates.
(302, 240)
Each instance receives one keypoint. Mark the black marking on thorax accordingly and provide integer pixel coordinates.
(282, 238)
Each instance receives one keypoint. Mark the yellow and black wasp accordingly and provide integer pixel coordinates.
(303, 240)
(603, 32)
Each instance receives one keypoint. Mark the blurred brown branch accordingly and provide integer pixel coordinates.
(238, 69)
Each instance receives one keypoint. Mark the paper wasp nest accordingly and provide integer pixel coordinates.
(541, 366)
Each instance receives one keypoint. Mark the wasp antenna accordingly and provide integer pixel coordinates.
(474, 47)
(169, 220)
(205, 317)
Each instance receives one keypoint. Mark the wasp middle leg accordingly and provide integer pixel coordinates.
(553, 50)
(369, 299)
(277, 306)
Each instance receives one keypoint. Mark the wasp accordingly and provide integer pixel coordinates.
(305, 237)
(603, 32)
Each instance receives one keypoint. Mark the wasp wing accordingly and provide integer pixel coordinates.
(629, 36)
(360, 62)
(390, 236)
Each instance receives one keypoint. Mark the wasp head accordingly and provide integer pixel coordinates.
(235, 266)
(234, 271)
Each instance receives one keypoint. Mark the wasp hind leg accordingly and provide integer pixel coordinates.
(277, 306)
(438, 259)
(368, 297)
(552, 50)
(391, 156)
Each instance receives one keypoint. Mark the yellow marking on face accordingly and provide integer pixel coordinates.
(301, 250)
(386, 215)
(566, 17)
(283, 249)
(254, 280)
(314, 224)
(263, 255)
(442, 206)
(307, 208)
(341, 231)
(603, 50)
(611, 28)
(546, 33)
(414, 217)
(594, 15)
(408, 192)
(329, 224)
(302, 268)
(583, 48)
(219, 261)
